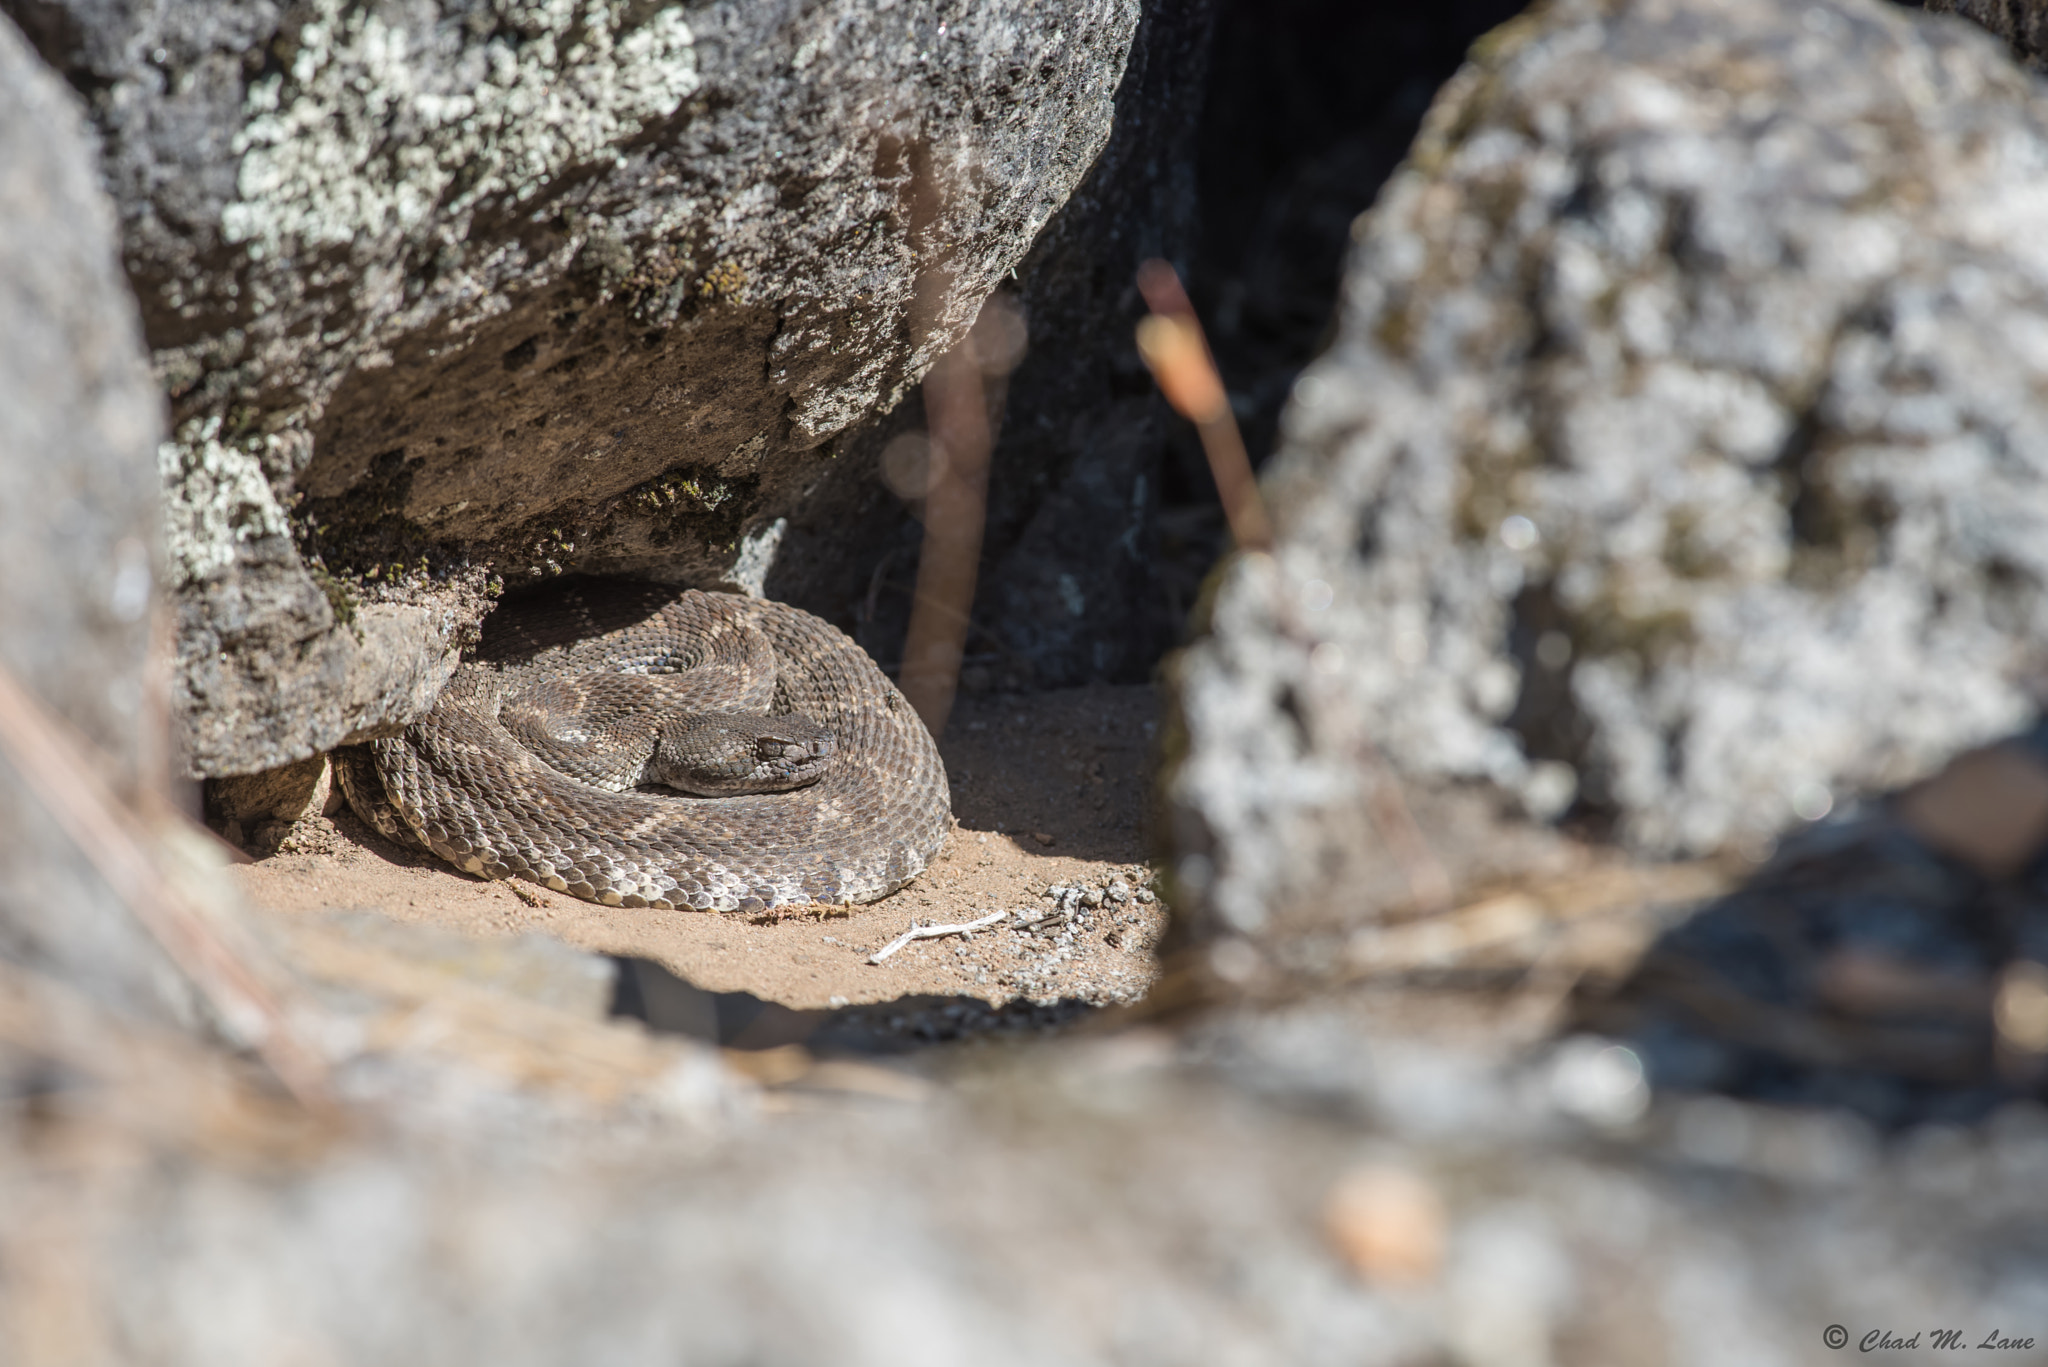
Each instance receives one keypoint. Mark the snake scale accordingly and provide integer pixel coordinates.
(541, 758)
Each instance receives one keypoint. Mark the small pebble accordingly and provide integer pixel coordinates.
(1388, 1223)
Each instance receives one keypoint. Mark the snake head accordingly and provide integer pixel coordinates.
(718, 756)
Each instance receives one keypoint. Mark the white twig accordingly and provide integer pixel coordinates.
(917, 932)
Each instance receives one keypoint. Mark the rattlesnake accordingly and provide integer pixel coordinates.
(573, 673)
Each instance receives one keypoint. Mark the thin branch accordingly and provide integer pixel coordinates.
(1172, 345)
(933, 933)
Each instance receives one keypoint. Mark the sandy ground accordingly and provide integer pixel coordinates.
(1048, 790)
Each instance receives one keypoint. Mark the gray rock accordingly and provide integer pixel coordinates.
(529, 967)
(1249, 1230)
(289, 794)
(1678, 465)
(439, 288)
(2022, 23)
(1067, 593)
(79, 554)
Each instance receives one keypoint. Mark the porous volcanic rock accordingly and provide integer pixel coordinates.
(79, 554)
(1678, 469)
(446, 288)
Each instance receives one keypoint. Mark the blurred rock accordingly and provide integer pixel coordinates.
(356, 949)
(1859, 968)
(1988, 808)
(443, 289)
(1886, 960)
(2022, 23)
(1387, 1223)
(1676, 471)
(1121, 1200)
(79, 551)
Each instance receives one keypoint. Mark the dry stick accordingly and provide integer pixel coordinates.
(1172, 345)
(60, 772)
(933, 933)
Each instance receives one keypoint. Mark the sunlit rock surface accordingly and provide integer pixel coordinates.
(1677, 469)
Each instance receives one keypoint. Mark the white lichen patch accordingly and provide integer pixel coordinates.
(379, 128)
(216, 500)
(756, 557)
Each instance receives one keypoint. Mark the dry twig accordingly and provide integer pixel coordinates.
(1172, 345)
(933, 933)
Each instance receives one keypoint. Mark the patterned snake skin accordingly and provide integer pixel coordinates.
(574, 672)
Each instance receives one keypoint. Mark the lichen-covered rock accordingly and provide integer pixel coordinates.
(1679, 466)
(78, 543)
(275, 660)
(537, 286)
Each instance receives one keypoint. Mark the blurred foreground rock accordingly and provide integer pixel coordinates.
(1678, 470)
(474, 1165)
(2022, 23)
(78, 540)
(1892, 960)
(1265, 1190)
(447, 292)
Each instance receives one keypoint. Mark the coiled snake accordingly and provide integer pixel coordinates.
(537, 759)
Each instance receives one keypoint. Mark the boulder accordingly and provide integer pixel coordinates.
(79, 556)
(449, 298)
(1287, 1187)
(1676, 473)
(2022, 23)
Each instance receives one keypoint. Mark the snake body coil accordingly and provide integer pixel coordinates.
(620, 685)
